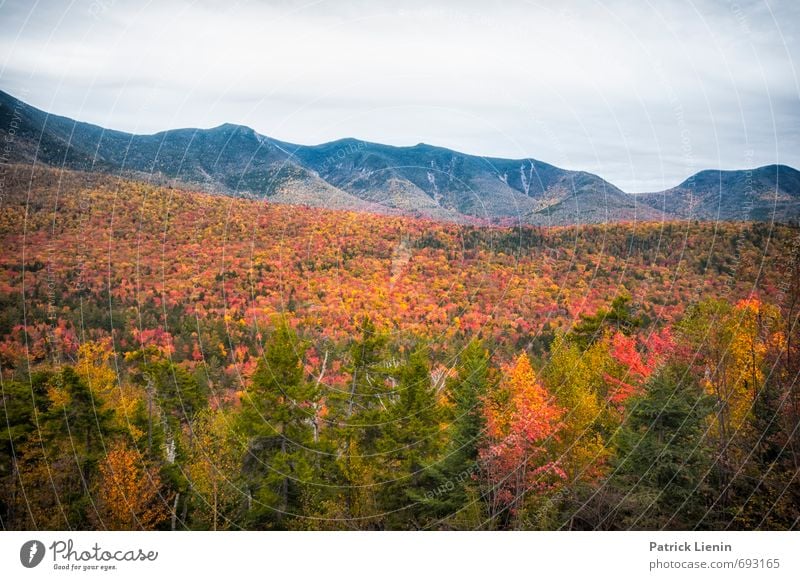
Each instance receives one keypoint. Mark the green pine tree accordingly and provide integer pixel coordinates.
(277, 419)
(620, 317)
(410, 444)
(452, 486)
(662, 455)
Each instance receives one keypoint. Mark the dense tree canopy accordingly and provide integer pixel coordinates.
(175, 360)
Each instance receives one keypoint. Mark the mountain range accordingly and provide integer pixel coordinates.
(357, 175)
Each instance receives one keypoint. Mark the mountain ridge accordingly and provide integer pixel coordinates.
(421, 179)
(769, 192)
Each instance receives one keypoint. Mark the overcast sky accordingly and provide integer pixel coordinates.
(642, 93)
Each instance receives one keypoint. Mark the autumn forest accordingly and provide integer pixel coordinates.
(179, 360)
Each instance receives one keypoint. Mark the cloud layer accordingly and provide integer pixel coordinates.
(641, 93)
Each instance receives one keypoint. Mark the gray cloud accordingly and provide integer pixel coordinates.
(643, 94)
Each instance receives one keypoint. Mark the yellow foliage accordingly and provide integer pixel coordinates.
(58, 396)
(93, 366)
(213, 464)
(571, 375)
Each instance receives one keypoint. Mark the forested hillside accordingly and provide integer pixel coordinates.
(175, 360)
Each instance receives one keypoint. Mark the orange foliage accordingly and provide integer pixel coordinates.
(521, 421)
(129, 493)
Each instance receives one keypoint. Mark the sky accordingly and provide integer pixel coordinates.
(643, 94)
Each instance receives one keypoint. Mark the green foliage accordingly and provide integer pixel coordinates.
(620, 317)
(409, 444)
(453, 477)
(358, 413)
(276, 419)
(663, 459)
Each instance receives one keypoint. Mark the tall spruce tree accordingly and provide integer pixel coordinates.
(277, 419)
(663, 457)
(453, 476)
(358, 414)
(409, 445)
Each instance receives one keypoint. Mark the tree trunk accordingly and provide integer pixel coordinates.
(175, 511)
(215, 504)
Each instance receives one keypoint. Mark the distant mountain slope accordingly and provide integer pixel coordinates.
(762, 194)
(424, 176)
(229, 159)
(357, 175)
